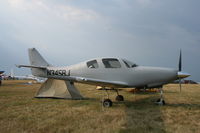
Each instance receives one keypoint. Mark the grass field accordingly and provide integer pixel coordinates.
(20, 112)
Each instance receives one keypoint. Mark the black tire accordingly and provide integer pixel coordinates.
(160, 102)
(163, 102)
(107, 103)
(119, 98)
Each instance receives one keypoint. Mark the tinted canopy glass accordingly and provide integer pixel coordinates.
(111, 63)
(129, 64)
(92, 64)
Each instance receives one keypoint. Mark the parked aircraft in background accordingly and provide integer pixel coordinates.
(1, 72)
(27, 77)
(105, 72)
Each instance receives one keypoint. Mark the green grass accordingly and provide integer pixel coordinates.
(21, 113)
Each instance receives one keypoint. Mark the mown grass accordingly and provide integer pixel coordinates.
(20, 112)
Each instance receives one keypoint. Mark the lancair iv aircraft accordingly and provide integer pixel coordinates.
(104, 72)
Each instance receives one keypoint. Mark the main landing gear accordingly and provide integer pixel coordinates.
(161, 100)
(107, 102)
(119, 97)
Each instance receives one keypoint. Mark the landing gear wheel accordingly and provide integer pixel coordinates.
(119, 98)
(107, 103)
(160, 102)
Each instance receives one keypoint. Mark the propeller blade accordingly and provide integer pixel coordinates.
(180, 85)
(180, 62)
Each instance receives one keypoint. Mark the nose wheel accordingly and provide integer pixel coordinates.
(160, 101)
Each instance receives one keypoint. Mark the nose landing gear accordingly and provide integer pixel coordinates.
(107, 102)
(119, 97)
(161, 100)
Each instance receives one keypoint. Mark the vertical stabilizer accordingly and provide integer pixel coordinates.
(37, 60)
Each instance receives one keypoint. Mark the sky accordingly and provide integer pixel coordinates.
(66, 32)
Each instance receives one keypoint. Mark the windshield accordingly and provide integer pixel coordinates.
(129, 64)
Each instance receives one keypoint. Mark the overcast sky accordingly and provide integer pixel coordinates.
(148, 32)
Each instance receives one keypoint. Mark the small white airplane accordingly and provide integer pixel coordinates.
(105, 72)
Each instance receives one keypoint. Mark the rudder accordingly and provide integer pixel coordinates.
(37, 60)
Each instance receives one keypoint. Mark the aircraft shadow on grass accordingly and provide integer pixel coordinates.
(142, 115)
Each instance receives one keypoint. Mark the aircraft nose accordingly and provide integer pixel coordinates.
(161, 74)
(168, 74)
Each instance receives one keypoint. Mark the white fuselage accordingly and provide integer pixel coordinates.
(138, 76)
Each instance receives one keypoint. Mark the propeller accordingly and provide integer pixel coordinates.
(181, 74)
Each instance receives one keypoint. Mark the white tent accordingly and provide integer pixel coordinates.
(53, 88)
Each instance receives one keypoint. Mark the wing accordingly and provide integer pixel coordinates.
(98, 82)
(91, 81)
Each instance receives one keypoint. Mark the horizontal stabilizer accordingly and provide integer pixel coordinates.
(31, 66)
